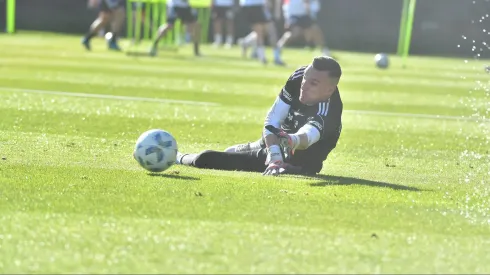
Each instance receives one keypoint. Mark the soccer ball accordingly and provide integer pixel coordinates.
(382, 60)
(155, 150)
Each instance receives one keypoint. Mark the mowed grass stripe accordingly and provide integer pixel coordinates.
(106, 192)
(287, 246)
(38, 149)
(454, 74)
(418, 144)
(201, 73)
(382, 99)
(70, 45)
(201, 90)
(126, 106)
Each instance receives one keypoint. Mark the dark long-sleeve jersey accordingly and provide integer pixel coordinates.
(326, 117)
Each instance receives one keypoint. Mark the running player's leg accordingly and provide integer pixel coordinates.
(273, 41)
(230, 27)
(293, 31)
(218, 18)
(260, 29)
(100, 22)
(318, 38)
(249, 41)
(163, 29)
(189, 18)
(118, 17)
(256, 15)
(251, 161)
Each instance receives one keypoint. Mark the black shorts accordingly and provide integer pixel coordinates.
(185, 14)
(110, 5)
(303, 22)
(256, 14)
(223, 12)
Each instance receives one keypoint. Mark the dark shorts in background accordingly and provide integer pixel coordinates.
(185, 14)
(303, 22)
(256, 14)
(110, 5)
(223, 12)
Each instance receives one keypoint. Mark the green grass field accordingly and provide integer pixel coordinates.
(405, 191)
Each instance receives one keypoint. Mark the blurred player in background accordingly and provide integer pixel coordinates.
(223, 14)
(180, 9)
(301, 129)
(300, 21)
(110, 11)
(315, 8)
(251, 40)
(258, 14)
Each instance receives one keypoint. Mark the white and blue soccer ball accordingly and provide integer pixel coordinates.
(382, 60)
(155, 150)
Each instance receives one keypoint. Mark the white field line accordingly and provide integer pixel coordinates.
(159, 100)
(116, 97)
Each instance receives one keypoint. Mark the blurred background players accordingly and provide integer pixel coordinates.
(267, 27)
(315, 8)
(299, 20)
(180, 9)
(223, 12)
(258, 15)
(110, 11)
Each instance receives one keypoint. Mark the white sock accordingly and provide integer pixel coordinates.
(277, 53)
(261, 52)
(217, 38)
(326, 51)
(250, 39)
(229, 39)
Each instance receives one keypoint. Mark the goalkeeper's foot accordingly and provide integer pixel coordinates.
(153, 51)
(86, 43)
(112, 45)
(179, 158)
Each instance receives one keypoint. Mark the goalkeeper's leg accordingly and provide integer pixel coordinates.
(250, 161)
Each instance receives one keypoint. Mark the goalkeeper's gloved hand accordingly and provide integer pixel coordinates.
(285, 142)
(279, 167)
(275, 168)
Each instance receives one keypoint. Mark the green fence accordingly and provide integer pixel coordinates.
(10, 16)
(406, 24)
(145, 16)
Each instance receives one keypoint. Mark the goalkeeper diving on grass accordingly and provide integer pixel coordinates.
(301, 128)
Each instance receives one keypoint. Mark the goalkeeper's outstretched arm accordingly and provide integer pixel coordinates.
(275, 117)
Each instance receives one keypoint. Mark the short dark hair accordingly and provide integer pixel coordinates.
(326, 63)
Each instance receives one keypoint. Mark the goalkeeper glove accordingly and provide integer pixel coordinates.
(285, 142)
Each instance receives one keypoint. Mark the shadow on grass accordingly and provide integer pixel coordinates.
(326, 180)
(172, 176)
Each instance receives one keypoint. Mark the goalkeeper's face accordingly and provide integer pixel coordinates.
(317, 86)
